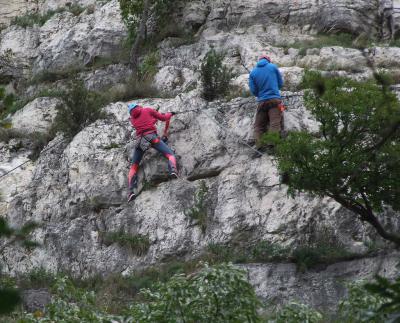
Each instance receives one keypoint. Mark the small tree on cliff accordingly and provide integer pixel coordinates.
(135, 14)
(356, 158)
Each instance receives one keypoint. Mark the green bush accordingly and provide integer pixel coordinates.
(215, 76)
(297, 313)
(31, 19)
(265, 251)
(325, 40)
(80, 108)
(139, 244)
(131, 12)
(75, 9)
(389, 292)
(37, 278)
(148, 67)
(53, 76)
(7, 102)
(361, 306)
(214, 294)
(217, 253)
(198, 212)
(261, 251)
(309, 256)
(70, 304)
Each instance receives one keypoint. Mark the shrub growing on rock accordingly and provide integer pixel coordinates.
(7, 102)
(296, 313)
(139, 244)
(215, 76)
(81, 107)
(198, 212)
(31, 19)
(135, 14)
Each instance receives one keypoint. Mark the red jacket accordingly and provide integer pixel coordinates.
(145, 119)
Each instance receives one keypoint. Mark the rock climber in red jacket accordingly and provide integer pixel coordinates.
(144, 120)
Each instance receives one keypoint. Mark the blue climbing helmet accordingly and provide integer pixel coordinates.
(132, 106)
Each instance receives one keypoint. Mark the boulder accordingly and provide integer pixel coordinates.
(35, 299)
(172, 80)
(36, 116)
(321, 288)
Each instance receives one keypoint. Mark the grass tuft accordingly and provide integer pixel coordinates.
(139, 244)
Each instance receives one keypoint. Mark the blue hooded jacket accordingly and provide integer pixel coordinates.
(265, 81)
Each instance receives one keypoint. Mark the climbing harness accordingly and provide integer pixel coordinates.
(145, 142)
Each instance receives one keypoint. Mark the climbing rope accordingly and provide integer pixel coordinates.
(28, 161)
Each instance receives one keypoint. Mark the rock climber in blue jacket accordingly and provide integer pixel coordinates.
(265, 82)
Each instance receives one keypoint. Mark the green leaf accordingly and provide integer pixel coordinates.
(9, 299)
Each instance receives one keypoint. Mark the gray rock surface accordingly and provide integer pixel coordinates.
(321, 288)
(35, 299)
(37, 116)
(106, 77)
(77, 190)
(66, 42)
(88, 181)
(11, 9)
(69, 42)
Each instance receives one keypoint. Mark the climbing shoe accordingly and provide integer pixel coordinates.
(173, 175)
(131, 197)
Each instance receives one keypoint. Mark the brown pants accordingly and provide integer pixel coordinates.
(268, 118)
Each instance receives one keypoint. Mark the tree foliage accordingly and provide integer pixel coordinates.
(360, 305)
(389, 292)
(296, 313)
(355, 156)
(135, 14)
(132, 11)
(214, 294)
(70, 305)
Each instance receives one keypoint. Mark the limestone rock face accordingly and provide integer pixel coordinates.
(11, 9)
(67, 42)
(47, 5)
(173, 80)
(77, 189)
(320, 288)
(195, 14)
(106, 77)
(19, 44)
(87, 178)
(37, 116)
(343, 15)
